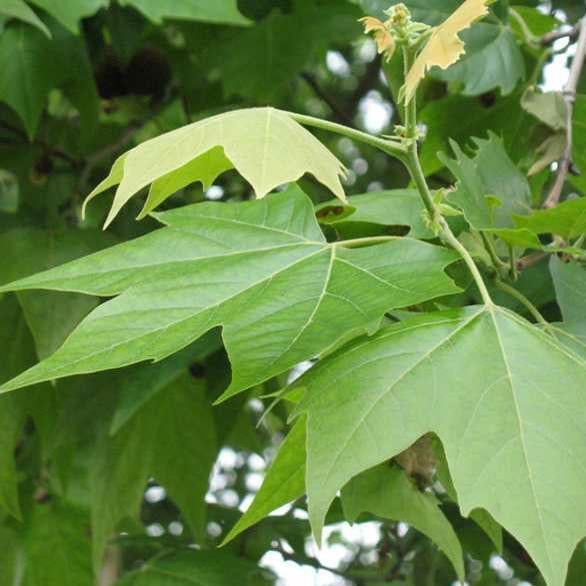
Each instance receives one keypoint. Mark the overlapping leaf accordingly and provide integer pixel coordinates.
(388, 493)
(266, 146)
(505, 399)
(396, 207)
(261, 269)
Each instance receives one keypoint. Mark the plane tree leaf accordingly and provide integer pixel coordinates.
(266, 146)
(508, 453)
(444, 47)
(489, 188)
(387, 492)
(262, 269)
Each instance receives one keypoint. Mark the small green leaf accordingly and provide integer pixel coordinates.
(490, 172)
(568, 219)
(262, 269)
(266, 146)
(549, 107)
(388, 493)
(22, 11)
(372, 400)
(396, 207)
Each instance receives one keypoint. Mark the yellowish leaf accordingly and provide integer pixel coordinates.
(444, 47)
(385, 42)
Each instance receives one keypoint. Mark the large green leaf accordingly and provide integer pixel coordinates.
(197, 568)
(388, 493)
(176, 425)
(218, 11)
(505, 399)
(262, 269)
(266, 146)
(489, 174)
(284, 482)
(69, 12)
(579, 140)
(492, 60)
(22, 11)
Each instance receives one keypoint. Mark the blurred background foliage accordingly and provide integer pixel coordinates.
(130, 452)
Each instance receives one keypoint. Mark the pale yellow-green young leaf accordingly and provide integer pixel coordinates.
(266, 146)
(444, 47)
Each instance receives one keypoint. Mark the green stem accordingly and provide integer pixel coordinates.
(357, 242)
(497, 263)
(414, 167)
(523, 300)
(409, 55)
(394, 149)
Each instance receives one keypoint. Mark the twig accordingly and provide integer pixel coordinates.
(523, 300)
(570, 99)
(48, 148)
(530, 260)
(336, 109)
(570, 34)
(97, 157)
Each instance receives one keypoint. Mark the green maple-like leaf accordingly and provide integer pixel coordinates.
(266, 146)
(505, 399)
(262, 269)
(490, 189)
